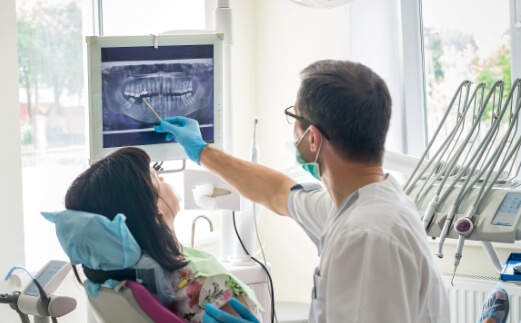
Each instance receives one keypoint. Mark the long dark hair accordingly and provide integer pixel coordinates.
(121, 183)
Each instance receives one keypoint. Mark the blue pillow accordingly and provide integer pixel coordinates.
(96, 242)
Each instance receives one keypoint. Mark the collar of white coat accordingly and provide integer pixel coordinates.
(346, 204)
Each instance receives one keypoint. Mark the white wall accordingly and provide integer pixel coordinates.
(287, 37)
(11, 228)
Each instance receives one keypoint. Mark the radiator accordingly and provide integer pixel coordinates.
(468, 293)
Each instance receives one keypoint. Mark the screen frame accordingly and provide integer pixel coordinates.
(157, 152)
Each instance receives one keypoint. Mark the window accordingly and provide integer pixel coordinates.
(423, 49)
(53, 102)
(52, 114)
(122, 17)
(463, 40)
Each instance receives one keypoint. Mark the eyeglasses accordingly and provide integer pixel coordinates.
(290, 116)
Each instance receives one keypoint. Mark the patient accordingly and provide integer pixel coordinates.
(123, 182)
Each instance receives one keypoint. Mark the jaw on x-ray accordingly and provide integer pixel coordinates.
(174, 80)
(176, 88)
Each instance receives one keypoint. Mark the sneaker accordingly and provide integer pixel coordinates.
(496, 305)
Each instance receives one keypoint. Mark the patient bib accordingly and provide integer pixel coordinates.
(206, 265)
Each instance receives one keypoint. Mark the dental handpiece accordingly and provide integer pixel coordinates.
(254, 144)
(445, 230)
(457, 256)
(464, 227)
(429, 212)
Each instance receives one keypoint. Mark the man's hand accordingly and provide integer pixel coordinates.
(186, 132)
(215, 315)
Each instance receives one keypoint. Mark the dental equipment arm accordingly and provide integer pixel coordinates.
(452, 161)
(474, 160)
(441, 169)
(410, 183)
(447, 167)
(465, 225)
(437, 160)
(492, 256)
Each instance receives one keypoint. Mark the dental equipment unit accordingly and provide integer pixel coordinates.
(467, 186)
(38, 298)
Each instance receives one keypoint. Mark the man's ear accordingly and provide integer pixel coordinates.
(160, 212)
(315, 138)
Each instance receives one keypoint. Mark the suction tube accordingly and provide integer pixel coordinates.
(250, 213)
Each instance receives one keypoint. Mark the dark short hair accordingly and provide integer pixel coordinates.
(351, 103)
(121, 183)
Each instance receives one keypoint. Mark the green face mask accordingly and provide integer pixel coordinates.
(312, 168)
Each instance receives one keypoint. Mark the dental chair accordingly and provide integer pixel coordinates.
(130, 302)
(107, 251)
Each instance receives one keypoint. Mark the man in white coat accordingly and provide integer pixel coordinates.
(375, 264)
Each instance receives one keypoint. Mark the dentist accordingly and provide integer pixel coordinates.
(375, 264)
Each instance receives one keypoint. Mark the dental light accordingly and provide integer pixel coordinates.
(322, 3)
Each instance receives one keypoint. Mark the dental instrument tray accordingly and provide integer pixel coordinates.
(512, 268)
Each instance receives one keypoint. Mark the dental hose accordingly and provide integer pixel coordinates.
(12, 300)
(255, 159)
(263, 267)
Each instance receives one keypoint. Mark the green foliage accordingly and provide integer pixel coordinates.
(50, 49)
(437, 52)
(27, 138)
(496, 67)
(29, 57)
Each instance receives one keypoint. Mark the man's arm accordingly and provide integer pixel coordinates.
(255, 182)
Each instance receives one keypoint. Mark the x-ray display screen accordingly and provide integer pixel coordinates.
(175, 80)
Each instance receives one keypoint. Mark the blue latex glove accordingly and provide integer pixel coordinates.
(215, 315)
(186, 132)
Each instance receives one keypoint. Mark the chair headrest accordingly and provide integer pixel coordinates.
(95, 241)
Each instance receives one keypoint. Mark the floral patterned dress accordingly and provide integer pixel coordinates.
(198, 284)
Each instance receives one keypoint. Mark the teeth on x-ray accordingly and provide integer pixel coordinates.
(162, 85)
(171, 89)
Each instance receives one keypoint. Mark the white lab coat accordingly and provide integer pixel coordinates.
(375, 264)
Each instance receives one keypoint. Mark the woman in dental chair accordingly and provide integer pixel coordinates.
(124, 183)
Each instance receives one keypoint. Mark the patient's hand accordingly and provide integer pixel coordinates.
(232, 312)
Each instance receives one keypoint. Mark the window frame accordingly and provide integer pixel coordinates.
(414, 71)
